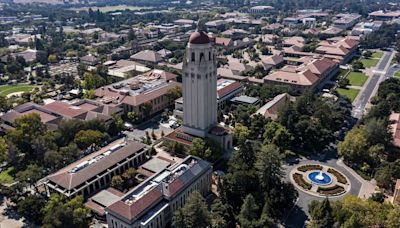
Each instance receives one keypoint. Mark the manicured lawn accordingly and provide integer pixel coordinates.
(350, 93)
(377, 54)
(369, 62)
(357, 78)
(397, 74)
(5, 177)
(5, 90)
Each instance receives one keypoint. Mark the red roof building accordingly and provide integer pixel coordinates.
(153, 202)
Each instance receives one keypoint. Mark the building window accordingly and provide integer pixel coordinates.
(201, 56)
(193, 58)
(209, 55)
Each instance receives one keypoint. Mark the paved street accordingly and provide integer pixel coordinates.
(367, 92)
(391, 71)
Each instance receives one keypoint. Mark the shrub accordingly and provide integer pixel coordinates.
(333, 190)
(298, 178)
(306, 168)
(340, 178)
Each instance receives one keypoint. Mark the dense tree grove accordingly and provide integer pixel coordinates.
(312, 121)
(253, 188)
(383, 37)
(368, 146)
(353, 212)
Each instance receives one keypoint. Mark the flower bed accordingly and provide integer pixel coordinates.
(298, 178)
(333, 190)
(340, 178)
(306, 168)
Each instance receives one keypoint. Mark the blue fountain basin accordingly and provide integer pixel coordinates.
(313, 178)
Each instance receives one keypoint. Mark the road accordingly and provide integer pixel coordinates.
(366, 93)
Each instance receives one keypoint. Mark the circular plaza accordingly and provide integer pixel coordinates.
(319, 180)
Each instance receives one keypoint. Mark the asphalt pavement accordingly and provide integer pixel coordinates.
(366, 93)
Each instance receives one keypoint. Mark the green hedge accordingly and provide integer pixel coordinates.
(333, 190)
(340, 178)
(306, 168)
(298, 178)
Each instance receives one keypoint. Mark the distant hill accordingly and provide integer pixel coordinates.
(54, 2)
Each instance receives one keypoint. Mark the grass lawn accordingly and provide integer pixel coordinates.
(397, 74)
(369, 62)
(5, 90)
(5, 177)
(350, 93)
(357, 78)
(377, 54)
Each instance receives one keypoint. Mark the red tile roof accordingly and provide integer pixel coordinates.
(228, 89)
(223, 41)
(138, 207)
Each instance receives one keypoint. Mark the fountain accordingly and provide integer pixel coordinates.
(320, 178)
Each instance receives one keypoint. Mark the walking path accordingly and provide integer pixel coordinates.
(367, 188)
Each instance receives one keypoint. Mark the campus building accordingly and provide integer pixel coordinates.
(53, 113)
(139, 93)
(153, 202)
(94, 172)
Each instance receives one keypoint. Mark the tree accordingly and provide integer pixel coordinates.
(367, 54)
(174, 93)
(193, 214)
(354, 147)
(268, 166)
(91, 81)
(3, 150)
(198, 148)
(277, 134)
(383, 177)
(343, 82)
(321, 214)
(52, 59)
(30, 175)
(146, 109)
(132, 116)
(86, 138)
(248, 216)
(117, 182)
(129, 174)
(357, 65)
(30, 207)
(63, 213)
(90, 94)
(5, 104)
(219, 213)
(131, 35)
(241, 133)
